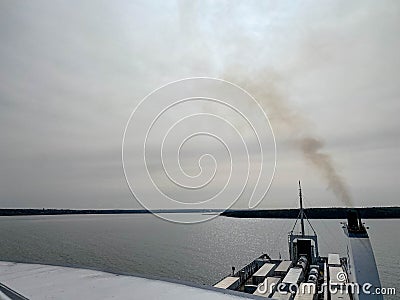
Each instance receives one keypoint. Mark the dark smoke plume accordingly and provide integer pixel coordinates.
(266, 85)
(312, 150)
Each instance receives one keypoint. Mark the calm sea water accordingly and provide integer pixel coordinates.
(201, 253)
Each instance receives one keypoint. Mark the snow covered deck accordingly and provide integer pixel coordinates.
(52, 282)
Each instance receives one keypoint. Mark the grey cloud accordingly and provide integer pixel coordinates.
(71, 72)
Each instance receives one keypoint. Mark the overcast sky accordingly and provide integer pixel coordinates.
(71, 72)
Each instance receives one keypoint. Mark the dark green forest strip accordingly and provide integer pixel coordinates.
(55, 211)
(312, 213)
(318, 213)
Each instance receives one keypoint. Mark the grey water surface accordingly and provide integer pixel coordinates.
(201, 253)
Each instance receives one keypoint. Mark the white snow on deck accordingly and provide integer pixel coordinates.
(52, 282)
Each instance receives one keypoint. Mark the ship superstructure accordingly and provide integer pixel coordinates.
(308, 276)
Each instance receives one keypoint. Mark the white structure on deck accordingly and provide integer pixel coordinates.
(334, 260)
(294, 276)
(268, 287)
(283, 267)
(264, 271)
(229, 283)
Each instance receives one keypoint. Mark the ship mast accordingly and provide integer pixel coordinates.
(301, 211)
(302, 237)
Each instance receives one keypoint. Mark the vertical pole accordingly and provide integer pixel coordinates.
(301, 211)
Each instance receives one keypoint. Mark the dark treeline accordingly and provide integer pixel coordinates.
(318, 213)
(312, 213)
(54, 211)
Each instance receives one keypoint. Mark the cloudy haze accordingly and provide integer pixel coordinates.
(72, 72)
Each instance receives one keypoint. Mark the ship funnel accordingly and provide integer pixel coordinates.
(354, 223)
(361, 260)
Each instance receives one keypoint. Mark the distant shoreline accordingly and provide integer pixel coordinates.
(55, 211)
(318, 213)
(312, 213)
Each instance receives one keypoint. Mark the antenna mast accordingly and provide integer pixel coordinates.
(301, 211)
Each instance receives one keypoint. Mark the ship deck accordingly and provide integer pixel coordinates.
(271, 278)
